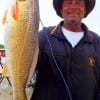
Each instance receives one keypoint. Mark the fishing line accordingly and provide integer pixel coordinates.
(54, 59)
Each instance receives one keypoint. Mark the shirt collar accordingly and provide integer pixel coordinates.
(88, 37)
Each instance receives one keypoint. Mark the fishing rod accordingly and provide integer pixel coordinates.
(54, 59)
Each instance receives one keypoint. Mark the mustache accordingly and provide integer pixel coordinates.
(73, 11)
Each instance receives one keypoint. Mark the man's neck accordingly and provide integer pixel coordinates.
(74, 27)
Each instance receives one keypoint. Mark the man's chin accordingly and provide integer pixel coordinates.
(74, 21)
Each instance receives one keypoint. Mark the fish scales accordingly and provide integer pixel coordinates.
(21, 44)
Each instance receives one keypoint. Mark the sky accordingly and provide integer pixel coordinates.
(49, 17)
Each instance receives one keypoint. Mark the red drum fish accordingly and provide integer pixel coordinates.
(21, 43)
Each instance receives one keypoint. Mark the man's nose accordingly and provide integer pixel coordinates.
(75, 4)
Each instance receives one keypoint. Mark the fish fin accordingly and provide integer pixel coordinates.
(4, 18)
(14, 12)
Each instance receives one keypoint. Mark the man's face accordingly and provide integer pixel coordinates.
(73, 10)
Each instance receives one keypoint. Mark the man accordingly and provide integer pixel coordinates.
(69, 60)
